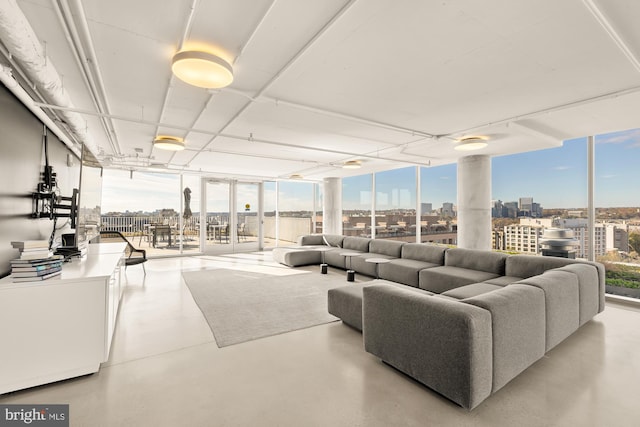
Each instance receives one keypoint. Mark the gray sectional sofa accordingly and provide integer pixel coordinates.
(463, 322)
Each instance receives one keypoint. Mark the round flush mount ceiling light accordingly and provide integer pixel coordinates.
(296, 176)
(471, 143)
(352, 164)
(202, 69)
(170, 143)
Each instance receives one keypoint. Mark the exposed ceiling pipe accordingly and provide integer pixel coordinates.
(185, 35)
(348, 117)
(23, 45)
(7, 79)
(257, 140)
(533, 114)
(80, 43)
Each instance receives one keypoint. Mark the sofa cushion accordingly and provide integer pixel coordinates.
(334, 259)
(471, 290)
(360, 265)
(475, 259)
(587, 289)
(531, 265)
(503, 280)
(391, 248)
(441, 279)
(345, 302)
(295, 257)
(334, 240)
(518, 329)
(403, 270)
(359, 244)
(424, 252)
(310, 239)
(561, 303)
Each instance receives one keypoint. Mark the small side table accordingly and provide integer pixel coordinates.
(323, 265)
(351, 275)
(377, 262)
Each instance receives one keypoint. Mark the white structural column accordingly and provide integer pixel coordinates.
(474, 202)
(332, 206)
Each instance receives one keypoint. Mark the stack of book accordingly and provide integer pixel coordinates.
(36, 261)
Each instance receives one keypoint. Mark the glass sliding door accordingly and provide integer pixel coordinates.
(248, 216)
(231, 218)
(215, 228)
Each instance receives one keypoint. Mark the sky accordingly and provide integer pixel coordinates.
(555, 178)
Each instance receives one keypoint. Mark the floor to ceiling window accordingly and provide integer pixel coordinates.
(356, 205)
(438, 204)
(319, 196)
(270, 189)
(295, 211)
(145, 207)
(617, 186)
(395, 204)
(537, 190)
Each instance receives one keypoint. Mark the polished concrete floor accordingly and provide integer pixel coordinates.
(166, 370)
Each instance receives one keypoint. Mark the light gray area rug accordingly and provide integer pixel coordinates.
(242, 305)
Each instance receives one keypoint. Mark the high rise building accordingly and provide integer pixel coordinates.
(581, 231)
(525, 236)
(447, 209)
(426, 208)
(525, 206)
(511, 210)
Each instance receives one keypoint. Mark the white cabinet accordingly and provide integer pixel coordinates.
(62, 327)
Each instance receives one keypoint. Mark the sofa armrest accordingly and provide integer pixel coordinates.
(445, 345)
(518, 326)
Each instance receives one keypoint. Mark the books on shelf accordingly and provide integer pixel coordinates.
(36, 262)
(23, 268)
(35, 274)
(55, 274)
(41, 267)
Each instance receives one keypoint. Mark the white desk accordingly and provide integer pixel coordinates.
(62, 327)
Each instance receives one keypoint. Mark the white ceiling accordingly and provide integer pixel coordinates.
(390, 83)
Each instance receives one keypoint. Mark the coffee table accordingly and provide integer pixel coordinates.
(377, 262)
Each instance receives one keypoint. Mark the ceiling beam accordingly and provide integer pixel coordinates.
(612, 32)
(288, 65)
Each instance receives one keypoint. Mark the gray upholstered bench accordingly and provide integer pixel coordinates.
(296, 256)
(345, 302)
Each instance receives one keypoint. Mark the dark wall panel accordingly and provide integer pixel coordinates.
(21, 162)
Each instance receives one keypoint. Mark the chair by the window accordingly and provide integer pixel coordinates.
(133, 256)
(242, 232)
(224, 233)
